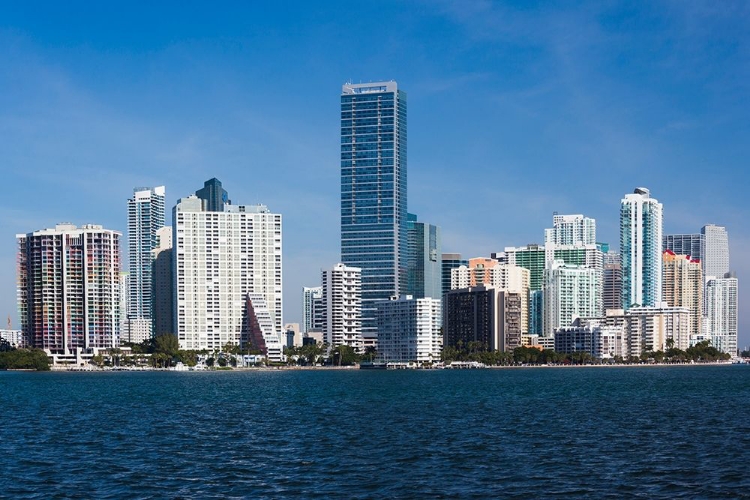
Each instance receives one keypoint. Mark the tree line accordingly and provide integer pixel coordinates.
(22, 359)
(477, 351)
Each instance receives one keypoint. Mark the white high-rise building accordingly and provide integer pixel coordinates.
(716, 257)
(721, 311)
(145, 218)
(409, 330)
(220, 258)
(342, 303)
(570, 292)
(571, 230)
(640, 249)
(312, 308)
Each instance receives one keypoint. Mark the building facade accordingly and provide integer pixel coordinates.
(570, 292)
(693, 245)
(313, 312)
(145, 218)
(683, 287)
(640, 249)
(611, 281)
(449, 261)
(649, 328)
(213, 196)
(490, 272)
(373, 191)
(721, 310)
(424, 267)
(342, 303)
(69, 288)
(600, 341)
(482, 314)
(163, 293)
(220, 258)
(715, 259)
(571, 230)
(409, 330)
(259, 330)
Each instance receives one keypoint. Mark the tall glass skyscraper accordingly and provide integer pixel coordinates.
(424, 266)
(145, 218)
(640, 249)
(213, 195)
(373, 191)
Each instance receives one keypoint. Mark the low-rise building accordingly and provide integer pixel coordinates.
(601, 342)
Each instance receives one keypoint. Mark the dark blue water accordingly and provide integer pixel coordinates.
(581, 432)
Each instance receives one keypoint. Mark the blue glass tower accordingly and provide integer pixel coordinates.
(424, 264)
(373, 191)
(213, 195)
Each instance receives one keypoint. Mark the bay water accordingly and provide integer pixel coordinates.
(647, 432)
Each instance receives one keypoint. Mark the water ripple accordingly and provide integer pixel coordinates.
(588, 433)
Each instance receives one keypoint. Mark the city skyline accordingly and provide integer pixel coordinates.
(518, 129)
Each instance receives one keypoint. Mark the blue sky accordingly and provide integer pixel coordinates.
(515, 110)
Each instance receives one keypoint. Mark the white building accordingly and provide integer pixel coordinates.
(570, 292)
(342, 303)
(571, 230)
(409, 330)
(220, 258)
(598, 340)
(649, 328)
(716, 257)
(14, 338)
(640, 249)
(260, 328)
(721, 312)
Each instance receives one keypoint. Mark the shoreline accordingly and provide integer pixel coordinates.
(357, 367)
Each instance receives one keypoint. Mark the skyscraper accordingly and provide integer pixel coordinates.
(373, 191)
(213, 195)
(69, 288)
(449, 261)
(721, 303)
(570, 291)
(612, 281)
(685, 244)
(163, 290)
(145, 218)
(483, 314)
(715, 260)
(312, 308)
(409, 329)
(220, 258)
(640, 249)
(342, 304)
(683, 287)
(571, 230)
(424, 266)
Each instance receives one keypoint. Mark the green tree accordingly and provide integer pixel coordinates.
(344, 355)
(24, 359)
